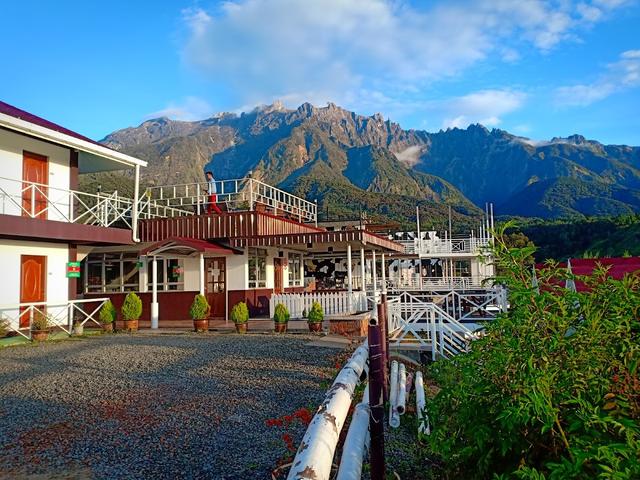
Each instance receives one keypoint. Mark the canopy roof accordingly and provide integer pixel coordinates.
(184, 246)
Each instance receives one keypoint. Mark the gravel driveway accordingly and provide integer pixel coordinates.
(154, 406)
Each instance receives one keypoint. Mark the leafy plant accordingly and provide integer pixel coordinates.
(41, 321)
(316, 315)
(4, 327)
(132, 307)
(240, 313)
(200, 308)
(108, 313)
(281, 314)
(552, 389)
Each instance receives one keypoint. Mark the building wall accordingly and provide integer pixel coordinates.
(237, 271)
(12, 146)
(192, 273)
(57, 283)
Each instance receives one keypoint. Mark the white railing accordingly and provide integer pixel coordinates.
(416, 282)
(19, 317)
(414, 322)
(236, 194)
(449, 246)
(337, 303)
(37, 200)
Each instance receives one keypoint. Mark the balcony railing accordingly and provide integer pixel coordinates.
(36, 200)
(450, 246)
(237, 194)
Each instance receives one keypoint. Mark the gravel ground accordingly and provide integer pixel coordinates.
(154, 406)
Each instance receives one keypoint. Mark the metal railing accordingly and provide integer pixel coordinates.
(19, 317)
(417, 282)
(37, 200)
(237, 195)
(449, 246)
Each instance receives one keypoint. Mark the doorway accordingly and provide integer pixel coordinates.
(32, 284)
(35, 168)
(215, 270)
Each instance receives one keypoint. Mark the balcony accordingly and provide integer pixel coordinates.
(235, 195)
(447, 247)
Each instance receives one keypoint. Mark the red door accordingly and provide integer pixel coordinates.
(216, 285)
(278, 279)
(32, 283)
(35, 168)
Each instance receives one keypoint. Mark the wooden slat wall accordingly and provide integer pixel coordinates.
(227, 225)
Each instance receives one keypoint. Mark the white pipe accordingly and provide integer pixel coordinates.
(355, 444)
(423, 419)
(363, 271)
(201, 274)
(393, 394)
(134, 212)
(154, 293)
(349, 280)
(402, 389)
(315, 454)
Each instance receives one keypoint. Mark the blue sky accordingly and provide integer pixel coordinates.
(535, 68)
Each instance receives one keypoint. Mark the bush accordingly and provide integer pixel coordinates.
(41, 321)
(552, 390)
(4, 327)
(200, 308)
(240, 313)
(132, 307)
(281, 314)
(108, 313)
(316, 315)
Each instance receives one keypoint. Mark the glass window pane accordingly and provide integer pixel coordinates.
(131, 276)
(112, 276)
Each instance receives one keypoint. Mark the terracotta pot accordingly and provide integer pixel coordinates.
(107, 327)
(241, 327)
(315, 326)
(39, 335)
(131, 325)
(280, 327)
(201, 325)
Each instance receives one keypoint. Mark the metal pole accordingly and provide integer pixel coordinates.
(374, 275)
(134, 213)
(418, 228)
(154, 293)
(382, 321)
(384, 275)
(363, 272)
(201, 273)
(349, 280)
(376, 402)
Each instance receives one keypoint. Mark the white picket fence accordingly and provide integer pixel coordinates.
(332, 303)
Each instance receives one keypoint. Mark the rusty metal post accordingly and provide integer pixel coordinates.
(376, 401)
(383, 344)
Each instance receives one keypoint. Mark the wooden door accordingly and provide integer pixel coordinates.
(33, 270)
(278, 279)
(215, 271)
(35, 168)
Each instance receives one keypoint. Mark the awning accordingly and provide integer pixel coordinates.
(186, 247)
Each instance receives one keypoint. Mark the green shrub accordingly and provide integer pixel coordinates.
(41, 321)
(200, 308)
(240, 313)
(281, 314)
(108, 313)
(552, 390)
(4, 327)
(132, 307)
(316, 315)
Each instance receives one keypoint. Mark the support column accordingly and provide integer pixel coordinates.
(384, 275)
(349, 280)
(374, 274)
(201, 274)
(134, 212)
(154, 293)
(363, 272)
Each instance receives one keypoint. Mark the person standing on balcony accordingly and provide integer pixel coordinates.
(212, 193)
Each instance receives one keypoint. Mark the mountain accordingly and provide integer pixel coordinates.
(348, 162)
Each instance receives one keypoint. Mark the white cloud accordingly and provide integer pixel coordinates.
(192, 108)
(345, 51)
(618, 76)
(485, 107)
(410, 156)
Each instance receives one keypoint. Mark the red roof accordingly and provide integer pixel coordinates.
(617, 267)
(31, 118)
(178, 243)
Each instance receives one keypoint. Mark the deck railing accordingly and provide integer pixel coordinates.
(19, 317)
(449, 246)
(235, 194)
(338, 303)
(37, 200)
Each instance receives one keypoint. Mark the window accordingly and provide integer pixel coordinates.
(170, 274)
(295, 262)
(111, 272)
(257, 268)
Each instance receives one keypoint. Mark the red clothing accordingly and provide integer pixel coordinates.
(213, 204)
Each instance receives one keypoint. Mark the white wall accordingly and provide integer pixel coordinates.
(238, 271)
(11, 149)
(57, 284)
(192, 273)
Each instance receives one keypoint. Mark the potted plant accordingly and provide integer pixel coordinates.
(40, 327)
(131, 311)
(315, 317)
(199, 313)
(108, 315)
(240, 316)
(280, 318)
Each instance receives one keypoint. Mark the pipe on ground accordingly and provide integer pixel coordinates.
(356, 443)
(423, 419)
(393, 390)
(315, 454)
(402, 389)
